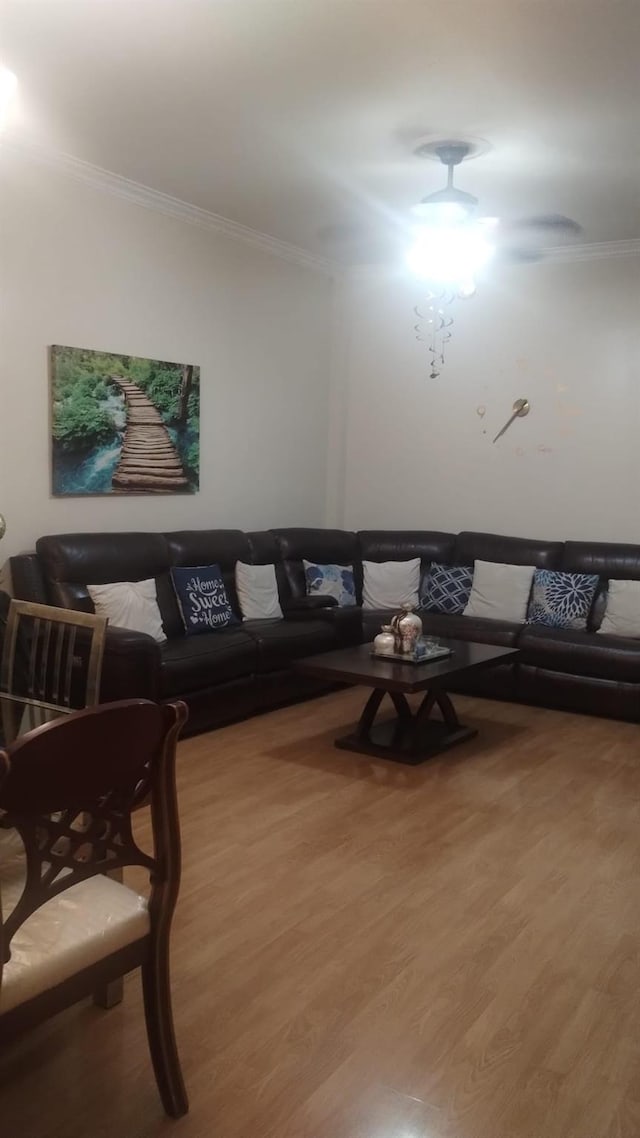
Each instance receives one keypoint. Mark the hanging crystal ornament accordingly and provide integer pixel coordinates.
(433, 327)
(434, 322)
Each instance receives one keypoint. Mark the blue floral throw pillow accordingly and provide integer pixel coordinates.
(446, 588)
(561, 600)
(202, 598)
(330, 581)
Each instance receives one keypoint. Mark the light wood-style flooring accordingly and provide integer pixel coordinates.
(365, 950)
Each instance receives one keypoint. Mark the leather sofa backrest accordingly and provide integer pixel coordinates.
(71, 561)
(263, 547)
(472, 547)
(607, 559)
(27, 579)
(67, 563)
(221, 547)
(324, 546)
(404, 545)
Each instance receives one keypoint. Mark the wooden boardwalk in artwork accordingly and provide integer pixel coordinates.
(149, 462)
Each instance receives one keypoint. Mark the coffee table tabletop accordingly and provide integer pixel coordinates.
(412, 736)
(357, 665)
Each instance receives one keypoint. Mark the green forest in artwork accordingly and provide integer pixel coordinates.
(123, 424)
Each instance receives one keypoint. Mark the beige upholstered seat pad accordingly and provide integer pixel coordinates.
(74, 930)
(12, 870)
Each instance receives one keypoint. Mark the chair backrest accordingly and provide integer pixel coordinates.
(69, 789)
(53, 654)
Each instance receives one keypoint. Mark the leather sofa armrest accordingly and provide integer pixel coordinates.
(307, 605)
(131, 666)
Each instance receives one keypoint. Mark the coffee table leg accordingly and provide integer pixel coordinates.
(408, 738)
(369, 713)
(403, 709)
(448, 711)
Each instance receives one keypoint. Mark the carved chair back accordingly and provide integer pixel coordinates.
(69, 788)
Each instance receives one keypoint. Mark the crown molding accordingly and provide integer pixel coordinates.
(558, 255)
(108, 182)
(598, 251)
(148, 198)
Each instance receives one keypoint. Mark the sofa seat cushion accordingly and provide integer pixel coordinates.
(502, 633)
(279, 641)
(346, 621)
(193, 662)
(581, 653)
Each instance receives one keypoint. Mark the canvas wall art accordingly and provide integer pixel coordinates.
(123, 424)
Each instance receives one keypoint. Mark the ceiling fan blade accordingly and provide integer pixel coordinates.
(550, 223)
(520, 256)
(526, 239)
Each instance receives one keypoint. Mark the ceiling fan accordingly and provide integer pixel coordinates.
(522, 239)
(452, 245)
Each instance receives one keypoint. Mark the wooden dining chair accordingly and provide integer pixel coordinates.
(69, 789)
(53, 655)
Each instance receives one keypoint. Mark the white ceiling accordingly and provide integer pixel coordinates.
(298, 117)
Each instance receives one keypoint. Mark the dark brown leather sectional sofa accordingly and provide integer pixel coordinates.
(228, 674)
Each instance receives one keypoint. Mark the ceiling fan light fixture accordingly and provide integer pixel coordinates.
(451, 195)
(450, 256)
(440, 212)
(452, 244)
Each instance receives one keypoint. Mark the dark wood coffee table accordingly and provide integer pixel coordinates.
(411, 737)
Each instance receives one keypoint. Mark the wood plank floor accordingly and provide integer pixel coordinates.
(364, 950)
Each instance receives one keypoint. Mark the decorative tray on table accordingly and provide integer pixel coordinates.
(438, 652)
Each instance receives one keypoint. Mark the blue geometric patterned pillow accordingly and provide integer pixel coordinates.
(446, 588)
(202, 598)
(330, 581)
(561, 600)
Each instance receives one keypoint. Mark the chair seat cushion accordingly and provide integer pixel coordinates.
(581, 653)
(80, 927)
(193, 662)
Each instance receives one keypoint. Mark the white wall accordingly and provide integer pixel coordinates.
(418, 454)
(83, 268)
(285, 359)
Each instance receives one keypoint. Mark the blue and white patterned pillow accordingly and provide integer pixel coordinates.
(446, 588)
(330, 581)
(202, 598)
(561, 600)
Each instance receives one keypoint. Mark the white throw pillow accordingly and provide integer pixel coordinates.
(390, 584)
(130, 604)
(500, 592)
(622, 614)
(257, 591)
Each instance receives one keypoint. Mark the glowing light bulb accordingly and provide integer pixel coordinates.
(450, 254)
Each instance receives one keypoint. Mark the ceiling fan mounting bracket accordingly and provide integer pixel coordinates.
(450, 151)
